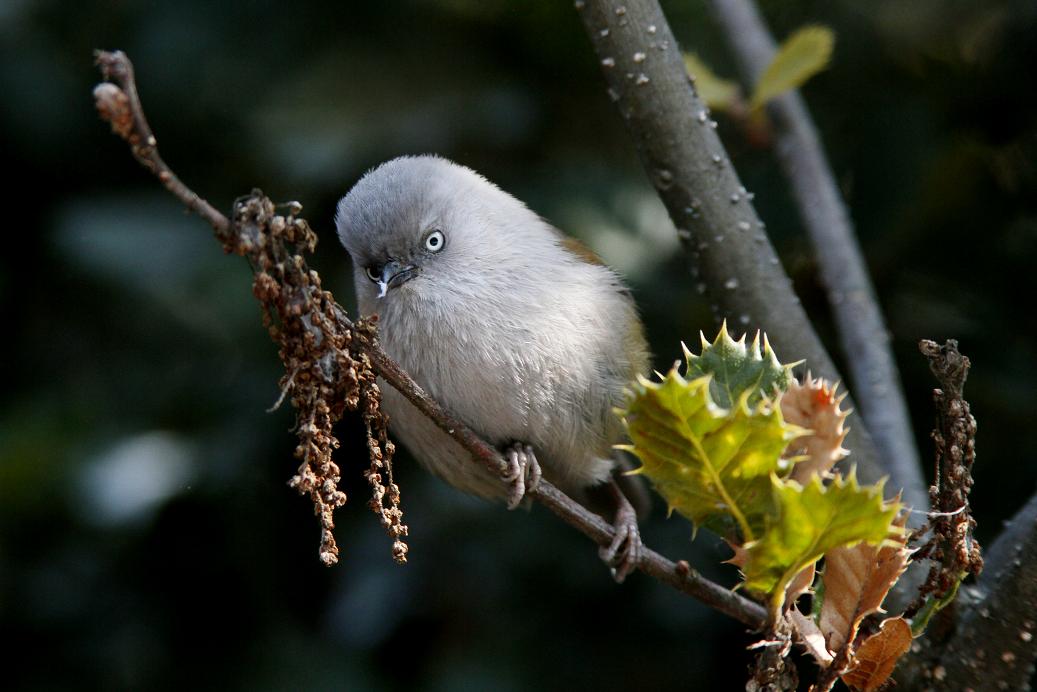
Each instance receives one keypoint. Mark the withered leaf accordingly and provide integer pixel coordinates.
(800, 583)
(856, 580)
(878, 655)
(814, 404)
(809, 635)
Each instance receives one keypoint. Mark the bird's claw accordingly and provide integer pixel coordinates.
(523, 474)
(624, 553)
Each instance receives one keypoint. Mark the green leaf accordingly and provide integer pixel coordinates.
(933, 605)
(800, 57)
(738, 370)
(710, 463)
(809, 521)
(718, 93)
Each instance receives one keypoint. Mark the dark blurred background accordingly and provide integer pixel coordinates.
(148, 539)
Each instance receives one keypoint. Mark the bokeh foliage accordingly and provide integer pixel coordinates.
(147, 537)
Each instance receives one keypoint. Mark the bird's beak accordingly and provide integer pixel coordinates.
(395, 274)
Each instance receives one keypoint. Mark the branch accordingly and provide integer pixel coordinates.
(678, 575)
(863, 337)
(950, 548)
(714, 215)
(122, 109)
(995, 641)
(992, 646)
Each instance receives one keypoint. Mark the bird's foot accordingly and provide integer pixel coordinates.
(523, 474)
(624, 553)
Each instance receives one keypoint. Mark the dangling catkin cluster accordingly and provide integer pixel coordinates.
(324, 374)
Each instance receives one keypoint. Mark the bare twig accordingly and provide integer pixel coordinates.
(1005, 602)
(862, 331)
(951, 548)
(713, 212)
(994, 646)
(362, 341)
(122, 109)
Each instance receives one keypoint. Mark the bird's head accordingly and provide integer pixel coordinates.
(424, 226)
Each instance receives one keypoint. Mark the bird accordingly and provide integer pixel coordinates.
(519, 331)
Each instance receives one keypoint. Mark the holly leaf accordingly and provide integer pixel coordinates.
(808, 521)
(877, 656)
(718, 93)
(809, 636)
(709, 462)
(814, 404)
(800, 583)
(857, 579)
(800, 57)
(739, 370)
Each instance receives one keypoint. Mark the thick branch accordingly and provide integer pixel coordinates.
(995, 641)
(133, 127)
(712, 211)
(862, 331)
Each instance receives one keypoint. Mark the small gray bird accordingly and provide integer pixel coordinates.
(515, 329)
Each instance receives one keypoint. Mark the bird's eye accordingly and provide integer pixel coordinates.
(374, 273)
(435, 241)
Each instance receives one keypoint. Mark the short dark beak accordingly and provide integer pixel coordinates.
(395, 274)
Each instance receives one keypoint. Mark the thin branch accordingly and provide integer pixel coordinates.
(950, 548)
(714, 215)
(136, 131)
(992, 645)
(570, 511)
(117, 66)
(863, 337)
(995, 642)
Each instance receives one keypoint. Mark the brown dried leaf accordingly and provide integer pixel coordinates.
(815, 405)
(808, 634)
(878, 655)
(856, 580)
(800, 584)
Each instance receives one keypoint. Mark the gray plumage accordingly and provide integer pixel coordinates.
(498, 318)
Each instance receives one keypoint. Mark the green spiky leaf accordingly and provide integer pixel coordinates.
(738, 369)
(710, 462)
(718, 93)
(800, 57)
(809, 521)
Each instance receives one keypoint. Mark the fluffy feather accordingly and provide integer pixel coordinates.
(508, 328)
